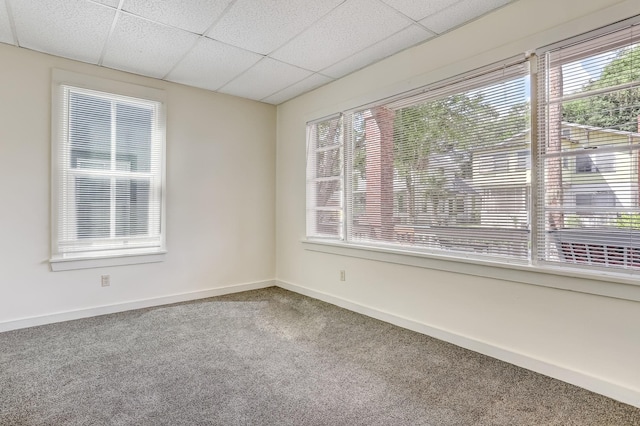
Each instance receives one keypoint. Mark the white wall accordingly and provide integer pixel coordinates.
(590, 340)
(220, 197)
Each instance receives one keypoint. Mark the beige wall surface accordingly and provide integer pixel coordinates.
(591, 340)
(220, 191)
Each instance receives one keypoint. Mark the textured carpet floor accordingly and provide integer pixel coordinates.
(271, 357)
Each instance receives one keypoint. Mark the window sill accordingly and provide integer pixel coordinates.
(613, 285)
(82, 261)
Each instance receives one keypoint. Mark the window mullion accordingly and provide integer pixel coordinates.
(113, 168)
(534, 160)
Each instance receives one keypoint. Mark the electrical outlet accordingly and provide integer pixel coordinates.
(105, 280)
(343, 275)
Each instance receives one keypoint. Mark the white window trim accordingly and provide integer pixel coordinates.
(71, 261)
(69, 264)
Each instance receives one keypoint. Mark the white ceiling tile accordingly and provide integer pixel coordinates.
(306, 85)
(401, 40)
(460, 13)
(264, 25)
(419, 9)
(6, 35)
(193, 15)
(146, 48)
(264, 79)
(351, 27)
(212, 64)
(75, 29)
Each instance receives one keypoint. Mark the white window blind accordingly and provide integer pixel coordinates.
(589, 136)
(325, 178)
(445, 169)
(108, 173)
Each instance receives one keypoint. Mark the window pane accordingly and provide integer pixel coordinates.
(93, 201)
(450, 172)
(329, 163)
(132, 207)
(589, 188)
(328, 133)
(89, 131)
(325, 178)
(327, 222)
(584, 164)
(133, 137)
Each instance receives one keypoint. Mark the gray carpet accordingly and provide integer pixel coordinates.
(271, 357)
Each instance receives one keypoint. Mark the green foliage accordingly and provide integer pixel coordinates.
(444, 133)
(628, 221)
(619, 109)
(572, 221)
(452, 125)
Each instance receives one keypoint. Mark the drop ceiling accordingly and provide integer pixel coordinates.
(266, 50)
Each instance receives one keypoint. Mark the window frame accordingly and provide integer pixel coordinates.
(64, 82)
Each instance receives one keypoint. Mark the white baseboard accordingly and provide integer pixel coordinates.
(128, 306)
(577, 378)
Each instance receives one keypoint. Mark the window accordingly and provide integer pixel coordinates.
(108, 153)
(448, 169)
(324, 178)
(425, 169)
(599, 162)
(590, 90)
(584, 164)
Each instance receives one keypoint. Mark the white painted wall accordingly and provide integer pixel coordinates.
(221, 169)
(591, 340)
(220, 196)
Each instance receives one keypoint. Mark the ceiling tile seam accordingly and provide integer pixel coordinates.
(293, 84)
(416, 21)
(111, 30)
(307, 28)
(102, 4)
(122, 11)
(427, 29)
(181, 58)
(256, 64)
(440, 11)
(234, 46)
(221, 42)
(12, 23)
(404, 14)
(469, 21)
(216, 21)
(240, 74)
(162, 24)
(371, 45)
(397, 12)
